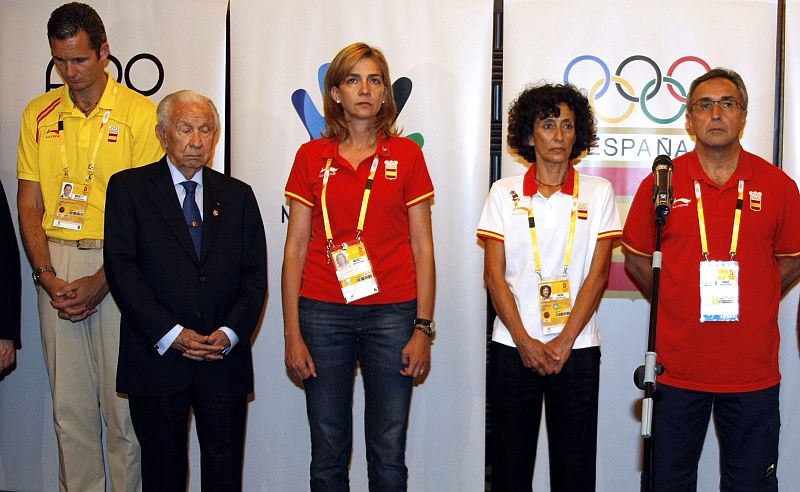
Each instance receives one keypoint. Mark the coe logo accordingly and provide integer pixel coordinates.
(625, 90)
(314, 121)
(141, 63)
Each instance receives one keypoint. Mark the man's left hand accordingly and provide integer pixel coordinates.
(416, 355)
(81, 297)
(220, 339)
(217, 339)
(7, 354)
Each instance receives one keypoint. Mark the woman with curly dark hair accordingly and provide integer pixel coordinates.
(553, 228)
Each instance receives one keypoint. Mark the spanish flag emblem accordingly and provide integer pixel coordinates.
(583, 211)
(390, 169)
(755, 201)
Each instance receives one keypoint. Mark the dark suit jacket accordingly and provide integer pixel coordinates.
(10, 300)
(157, 280)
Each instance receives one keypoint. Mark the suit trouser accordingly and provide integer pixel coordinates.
(161, 423)
(81, 361)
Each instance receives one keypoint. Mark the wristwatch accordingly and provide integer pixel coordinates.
(38, 271)
(426, 326)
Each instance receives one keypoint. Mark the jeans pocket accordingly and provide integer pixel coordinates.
(304, 304)
(408, 307)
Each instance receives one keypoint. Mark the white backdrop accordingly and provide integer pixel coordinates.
(712, 32)
(445, 49)
(790, 328)
(191, 50)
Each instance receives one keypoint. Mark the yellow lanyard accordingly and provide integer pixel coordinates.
(737, 219)
(93, 157)
(573, 220)
(364, 202)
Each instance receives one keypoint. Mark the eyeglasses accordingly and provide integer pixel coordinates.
(705, 105)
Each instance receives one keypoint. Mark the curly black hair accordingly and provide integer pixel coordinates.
(541, 101)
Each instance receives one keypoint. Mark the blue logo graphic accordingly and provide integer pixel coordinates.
(314, 121)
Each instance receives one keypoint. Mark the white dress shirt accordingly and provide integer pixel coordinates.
(180, 192)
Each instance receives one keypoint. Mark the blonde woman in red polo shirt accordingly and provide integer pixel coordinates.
(358, 278)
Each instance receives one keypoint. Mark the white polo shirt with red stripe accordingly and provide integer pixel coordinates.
(401, 181)
(505, 219)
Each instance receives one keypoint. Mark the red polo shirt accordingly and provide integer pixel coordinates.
(719, 356)
(403, 183)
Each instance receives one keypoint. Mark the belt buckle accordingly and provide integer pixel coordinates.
(85, 243)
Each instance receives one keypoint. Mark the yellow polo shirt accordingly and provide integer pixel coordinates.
(127, 140)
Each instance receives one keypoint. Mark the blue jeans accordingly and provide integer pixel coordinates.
(748, 425)
(570, 399)
(338, 336)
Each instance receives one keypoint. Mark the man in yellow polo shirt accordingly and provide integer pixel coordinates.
(75, 137)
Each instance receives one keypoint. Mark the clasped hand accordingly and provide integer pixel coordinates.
(77, 300)
(201, 347)
(544, 358)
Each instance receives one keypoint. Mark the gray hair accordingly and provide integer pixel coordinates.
(164, 111)
(719, 73)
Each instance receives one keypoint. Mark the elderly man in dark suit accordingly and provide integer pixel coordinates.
(185, 258)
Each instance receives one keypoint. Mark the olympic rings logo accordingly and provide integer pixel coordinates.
(627, 92)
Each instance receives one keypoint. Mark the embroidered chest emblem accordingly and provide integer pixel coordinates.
(755, 201)
(390, 170)
(681, 202)
(113, 133)
(517, 210)
(583, 211)
(331, 172)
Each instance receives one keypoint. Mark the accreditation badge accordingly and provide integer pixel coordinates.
(71, 206)
(719, 291)
(555, 305)
(354, 271)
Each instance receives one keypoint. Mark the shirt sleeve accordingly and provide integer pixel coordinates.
(490, 225)
(232, 337)
(166, 341)
(299, 186)
(28, 149)
(787, 234)
(146, 145)
(638, 236)
(610, 226)
(420, 186)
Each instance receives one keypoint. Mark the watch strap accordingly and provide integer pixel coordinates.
(426, 326)
(38, 271)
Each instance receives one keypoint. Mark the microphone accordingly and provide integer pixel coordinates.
(662, 185)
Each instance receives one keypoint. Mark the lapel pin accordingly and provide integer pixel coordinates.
(215, 212)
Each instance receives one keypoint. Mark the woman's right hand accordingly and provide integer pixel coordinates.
(536, 355)
(298, 359)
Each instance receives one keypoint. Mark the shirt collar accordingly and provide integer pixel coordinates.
(744, 169)
(107, 100)
(178, 178)
(331, 149)
(529, 187)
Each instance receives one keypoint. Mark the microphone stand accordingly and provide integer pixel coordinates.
(644, 377)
